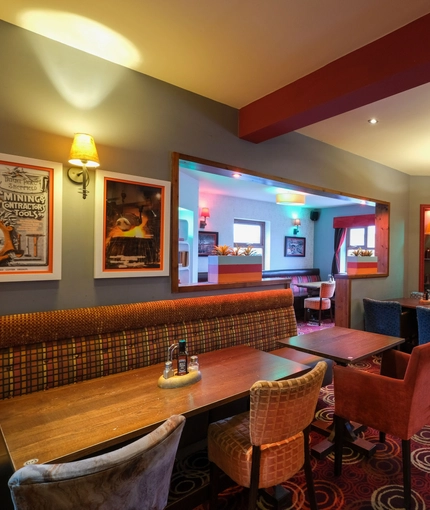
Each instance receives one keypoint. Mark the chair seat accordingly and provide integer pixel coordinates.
(231, 450)
(314, 303)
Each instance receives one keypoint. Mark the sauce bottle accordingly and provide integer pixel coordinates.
(182, 358)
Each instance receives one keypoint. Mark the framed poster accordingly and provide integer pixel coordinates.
(207, 241)
(132, 226)
(30, 219)
(295, 247)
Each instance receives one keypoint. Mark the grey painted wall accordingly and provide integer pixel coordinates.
(50, 91)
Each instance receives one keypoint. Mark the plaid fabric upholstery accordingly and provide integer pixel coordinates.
(48, 349)
(299, 291)
(280, 410)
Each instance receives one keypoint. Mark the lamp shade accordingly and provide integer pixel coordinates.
(297, 222)
(205, 212)
(83, 151)
(290, 198)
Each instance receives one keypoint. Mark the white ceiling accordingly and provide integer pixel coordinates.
(237, 51)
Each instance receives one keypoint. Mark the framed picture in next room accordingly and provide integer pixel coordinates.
(295, 247)
(207, 241)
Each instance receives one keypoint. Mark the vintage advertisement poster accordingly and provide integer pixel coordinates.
(132, 226)
(27, 220)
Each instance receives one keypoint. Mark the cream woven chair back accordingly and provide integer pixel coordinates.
(281, 409)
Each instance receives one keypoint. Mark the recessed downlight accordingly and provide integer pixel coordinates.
(373, 121)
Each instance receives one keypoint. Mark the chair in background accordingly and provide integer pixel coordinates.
(416, 295)
(136, 476)
(270, 443)
(388, 318)
(398, 403)
(322, 302)
(423, 319)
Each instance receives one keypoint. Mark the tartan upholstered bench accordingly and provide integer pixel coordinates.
(43, 350)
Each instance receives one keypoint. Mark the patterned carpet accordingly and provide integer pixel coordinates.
(366, 483)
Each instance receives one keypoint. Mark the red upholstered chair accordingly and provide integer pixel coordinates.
(270, 443)
(322, 302)
(396, 402)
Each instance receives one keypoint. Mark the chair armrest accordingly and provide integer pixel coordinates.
(369, 398)
(394, 363)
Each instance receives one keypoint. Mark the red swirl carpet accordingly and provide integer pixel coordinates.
(374, 483)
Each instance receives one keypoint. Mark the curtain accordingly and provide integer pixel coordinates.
(339, 237)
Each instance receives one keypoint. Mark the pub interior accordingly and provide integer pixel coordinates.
(155, 133)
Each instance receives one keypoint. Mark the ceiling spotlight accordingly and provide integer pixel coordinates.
(373, 121)
(237, 176)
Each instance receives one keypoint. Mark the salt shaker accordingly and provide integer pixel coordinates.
(194, 364)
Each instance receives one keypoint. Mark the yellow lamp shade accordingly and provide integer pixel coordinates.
(83, 151)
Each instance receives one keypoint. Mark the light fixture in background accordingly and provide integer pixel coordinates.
(373, 121)
(83, 154)
(290, 198)
(297, 223)
(204, 214)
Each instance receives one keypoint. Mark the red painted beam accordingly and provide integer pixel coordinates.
(392, 64)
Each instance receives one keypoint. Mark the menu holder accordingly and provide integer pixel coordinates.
(177, 381)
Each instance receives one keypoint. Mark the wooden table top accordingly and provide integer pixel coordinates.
(408, 302)
(342, 345)
(310, 285)
(70, 422)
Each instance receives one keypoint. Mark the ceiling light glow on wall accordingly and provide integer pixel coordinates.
(290, 198)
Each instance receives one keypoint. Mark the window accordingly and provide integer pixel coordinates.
(249, 233)
(361, 237)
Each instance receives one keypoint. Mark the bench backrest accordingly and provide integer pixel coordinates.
(43, 350)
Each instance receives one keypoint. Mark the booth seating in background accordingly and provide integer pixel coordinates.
(292, 276)
(135, 476)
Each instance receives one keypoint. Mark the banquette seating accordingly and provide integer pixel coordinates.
(43, 350)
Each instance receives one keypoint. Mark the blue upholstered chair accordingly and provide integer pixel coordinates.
(423, 318)
(384, 317)
(136, 476)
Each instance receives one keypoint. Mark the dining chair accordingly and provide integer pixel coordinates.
(136, 476)
(386, 318)
(322, 302)
(416, 295)
(270, 443)
(396, 401)
(423, 319)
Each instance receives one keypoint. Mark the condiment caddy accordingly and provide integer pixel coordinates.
(185, 373)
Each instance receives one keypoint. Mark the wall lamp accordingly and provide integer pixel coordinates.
(83, 154)
(204, 214)
(297, 223)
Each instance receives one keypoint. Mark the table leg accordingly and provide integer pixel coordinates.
(325, 447)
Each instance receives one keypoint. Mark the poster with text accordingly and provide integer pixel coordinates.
(30, 219)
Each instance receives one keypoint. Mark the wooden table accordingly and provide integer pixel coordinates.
(344, 346)
(408, 302)
(312, 287)
(70, 422)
